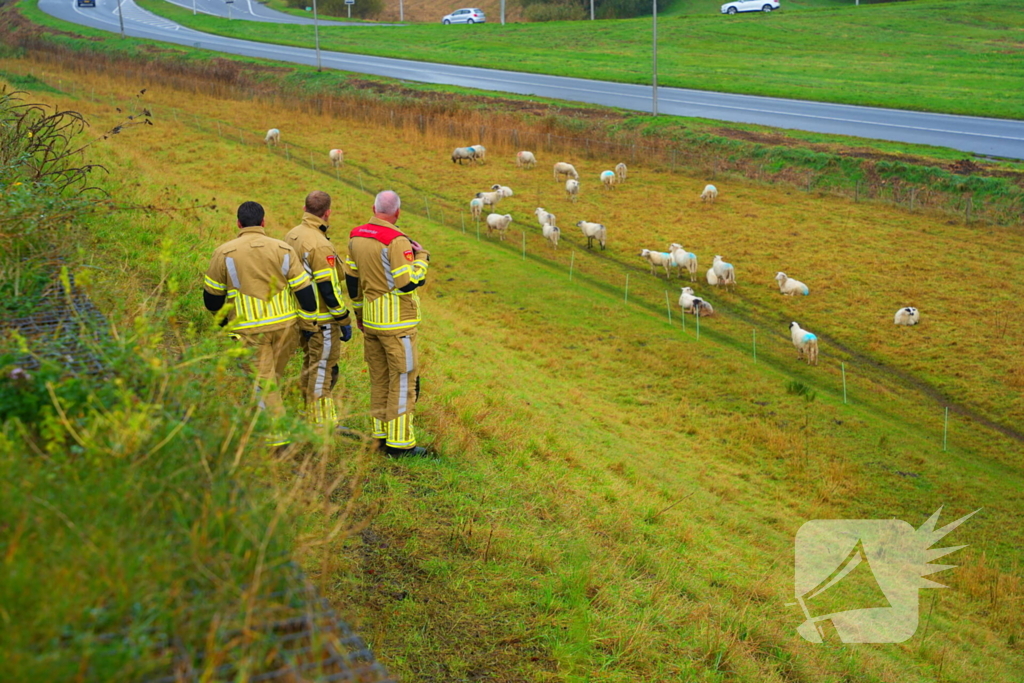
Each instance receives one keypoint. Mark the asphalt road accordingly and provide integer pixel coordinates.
(984, 136)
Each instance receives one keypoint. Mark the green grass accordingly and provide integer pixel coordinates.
(617, 501)
(954, 56)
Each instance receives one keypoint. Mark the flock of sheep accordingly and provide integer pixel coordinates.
(677, 257)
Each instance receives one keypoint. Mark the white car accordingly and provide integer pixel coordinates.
(750, 6)
(467, 15)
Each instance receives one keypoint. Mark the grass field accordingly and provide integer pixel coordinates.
(953, 56)
(617, 500)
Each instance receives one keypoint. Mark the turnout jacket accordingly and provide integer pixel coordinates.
(382, 273)
(322, 263)
(257, 275)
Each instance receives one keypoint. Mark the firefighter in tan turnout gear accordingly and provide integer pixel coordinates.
(320, 340)
(261, 279)
(382, 272)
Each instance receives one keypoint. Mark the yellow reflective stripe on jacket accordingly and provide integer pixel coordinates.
(323, 273)
(299, 280)
(251, 312)
(213, 284)
(385, 312)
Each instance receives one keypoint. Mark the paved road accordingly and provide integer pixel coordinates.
(992, 137)
(251, 10)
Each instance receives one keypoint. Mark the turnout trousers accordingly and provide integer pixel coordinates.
(272, 349)
(393, 365)
(320, 355)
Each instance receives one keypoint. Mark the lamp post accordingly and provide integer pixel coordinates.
(229, 8)
(193, 7)
(120, 17)
(316, 35)
(401, 10)
(502, 12)
(591, 10)
(654, 61)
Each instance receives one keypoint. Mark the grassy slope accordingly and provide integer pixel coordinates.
(956, 56)
(540, 548)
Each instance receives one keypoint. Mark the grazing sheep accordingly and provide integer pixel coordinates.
(476, 207)
(572, 189)
(551, 233)
(337, 157)
(907, 316)
(593, 231)
(712, 278)
(544, 217)
(463, 154)
(694, 304)
(568, 170)
(496, 221)
(806, 344)
(725, 273)
(620, 172)
(503, 189)
(489, 198)
(788, 285)
(608, 179)
(657, 258)
(684, 260)
(273, 137)
(525, 160)
(710, 194)
(481, 152)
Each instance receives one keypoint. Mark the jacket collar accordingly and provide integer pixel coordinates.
(384, 224)
(253, 230)
(314, 222)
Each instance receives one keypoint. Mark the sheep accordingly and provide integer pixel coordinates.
(551, 233)
(544, 217)
(503, 189)
(788, 285)
(684, 260)
(694, 304)
(525, 160)
(476, 207)
(481, 152)
(710, 194)
(907, 316)
(725, 273)
(337, 157)
(620, 172)
(608, 179)
(568, 170)
(273, 137)
(657, 258)
(463, 154)
(593, 231)
(712, 278)
(806, 344)
(489, 198)
(496, 221)
(572, 189)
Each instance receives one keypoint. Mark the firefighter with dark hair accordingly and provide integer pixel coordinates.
(383, 270)
(321, 338)
(261, 279)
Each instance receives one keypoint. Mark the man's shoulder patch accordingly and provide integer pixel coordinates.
(331, 258)
(408, 254)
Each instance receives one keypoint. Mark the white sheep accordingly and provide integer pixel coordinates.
(476, 207)
(806, 344)
(788, 285)
(572, 189)
(725, 273)
(712, 278)
(657, 258)
(496, 221)
(694, 304)
(544, 217)
(525, 159)
(710, 194)
(568, 170)
(907, 316)
(337, 157)
(481, 152)
(461, 154)
(489, 198)
(593, 231)
(551, 233)
(684, 260)
(608, 179)
(503, 189)
(620, 172)
(273, 137)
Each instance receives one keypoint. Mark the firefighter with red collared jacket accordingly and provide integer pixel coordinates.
(383, 270)
(261, 279)
(320, 341)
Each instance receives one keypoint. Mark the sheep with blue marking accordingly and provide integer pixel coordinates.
(907, 316)
(683, 260)
(273, 137)
(805, 342)
(789, 286)
(461, 154)
(609, 179)
(476, 207)
(710, 194)
(657, 258)
(724, 272)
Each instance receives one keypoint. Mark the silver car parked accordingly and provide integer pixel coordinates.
(750, 6)
(466, 15)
